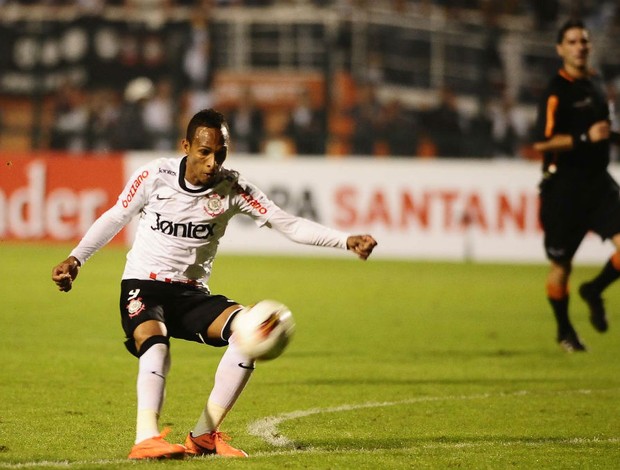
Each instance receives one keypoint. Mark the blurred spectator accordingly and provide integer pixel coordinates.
(306, 127)
(426, 145)
(398, 128)
(70, 119)
(104, 112)
(246, 124)
(198, 65)
(374, 69)
(159, 112)
(145, 6)
(444, 125)
(277, 144)
(479, 142)
(511, 51)
(90, 7)
(510, 128)
(598, 14)
(545, 13)
(129, 131)
(365, 114)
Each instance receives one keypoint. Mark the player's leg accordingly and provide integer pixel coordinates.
(147, 340)
(605, 221)
(231, 377)
(565, 226)
(558, 296)
(591, 292)
(153, 349)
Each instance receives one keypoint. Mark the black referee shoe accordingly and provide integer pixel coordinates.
(592, 297)
(570, 342)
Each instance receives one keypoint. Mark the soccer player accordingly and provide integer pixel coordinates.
(577, 193)
(184, 206)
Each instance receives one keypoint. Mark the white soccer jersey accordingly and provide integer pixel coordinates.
(180, 226)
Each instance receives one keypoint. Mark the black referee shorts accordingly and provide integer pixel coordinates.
(186, 310)
(570, 207)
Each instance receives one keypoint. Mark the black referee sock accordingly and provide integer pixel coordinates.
(560, 311)
(607, 275)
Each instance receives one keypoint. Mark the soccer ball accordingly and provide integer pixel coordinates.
(263, 330)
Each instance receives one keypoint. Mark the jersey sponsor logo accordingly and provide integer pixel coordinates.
(214, 205)
(167, 172)
(583, 103)
(134, 187)
(556, 252)
(257, 206)
(183, 230)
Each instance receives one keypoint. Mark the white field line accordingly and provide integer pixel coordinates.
(116, 463)
(267, 429)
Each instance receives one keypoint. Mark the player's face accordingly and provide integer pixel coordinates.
(575, 49)
(205, 155)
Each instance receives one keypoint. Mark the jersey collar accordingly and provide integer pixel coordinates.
(182, 181)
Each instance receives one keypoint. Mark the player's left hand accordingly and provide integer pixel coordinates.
(361, 245)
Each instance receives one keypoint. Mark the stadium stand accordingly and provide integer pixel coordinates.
(428, 67)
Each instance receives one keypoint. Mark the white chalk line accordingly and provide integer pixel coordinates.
(267, 430)
(115, 463)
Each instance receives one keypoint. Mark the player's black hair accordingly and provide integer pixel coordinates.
(569, 24)
(207, 118)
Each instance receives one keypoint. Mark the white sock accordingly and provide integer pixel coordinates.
(153, 368)
(230, 380)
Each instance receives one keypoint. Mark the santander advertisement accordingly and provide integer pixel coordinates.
(444, 210)
(55, 197)
(416, 209)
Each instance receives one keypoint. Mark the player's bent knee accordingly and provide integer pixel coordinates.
(219, 331)
(131, 346)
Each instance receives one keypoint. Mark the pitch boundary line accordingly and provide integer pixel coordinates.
(313, 450)
(267, 430)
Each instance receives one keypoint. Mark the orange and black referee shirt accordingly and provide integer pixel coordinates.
(571, 106)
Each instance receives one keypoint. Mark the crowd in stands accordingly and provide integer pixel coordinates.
(545, 12)
(148, 114)
(146, 117)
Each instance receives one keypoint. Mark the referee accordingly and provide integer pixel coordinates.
(577, 193)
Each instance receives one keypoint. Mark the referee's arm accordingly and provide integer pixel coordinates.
(598, 131)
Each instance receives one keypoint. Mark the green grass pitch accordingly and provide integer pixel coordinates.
(394, 365)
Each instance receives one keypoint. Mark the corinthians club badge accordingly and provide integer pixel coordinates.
(214, 205)
(135, 306)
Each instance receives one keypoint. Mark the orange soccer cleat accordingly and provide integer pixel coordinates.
(157, 448)
(211, 443)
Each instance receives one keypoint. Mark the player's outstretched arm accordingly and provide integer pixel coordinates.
(361, 245)
(64, 273)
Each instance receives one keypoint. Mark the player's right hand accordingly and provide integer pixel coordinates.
(361, 245)
(64, 273)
